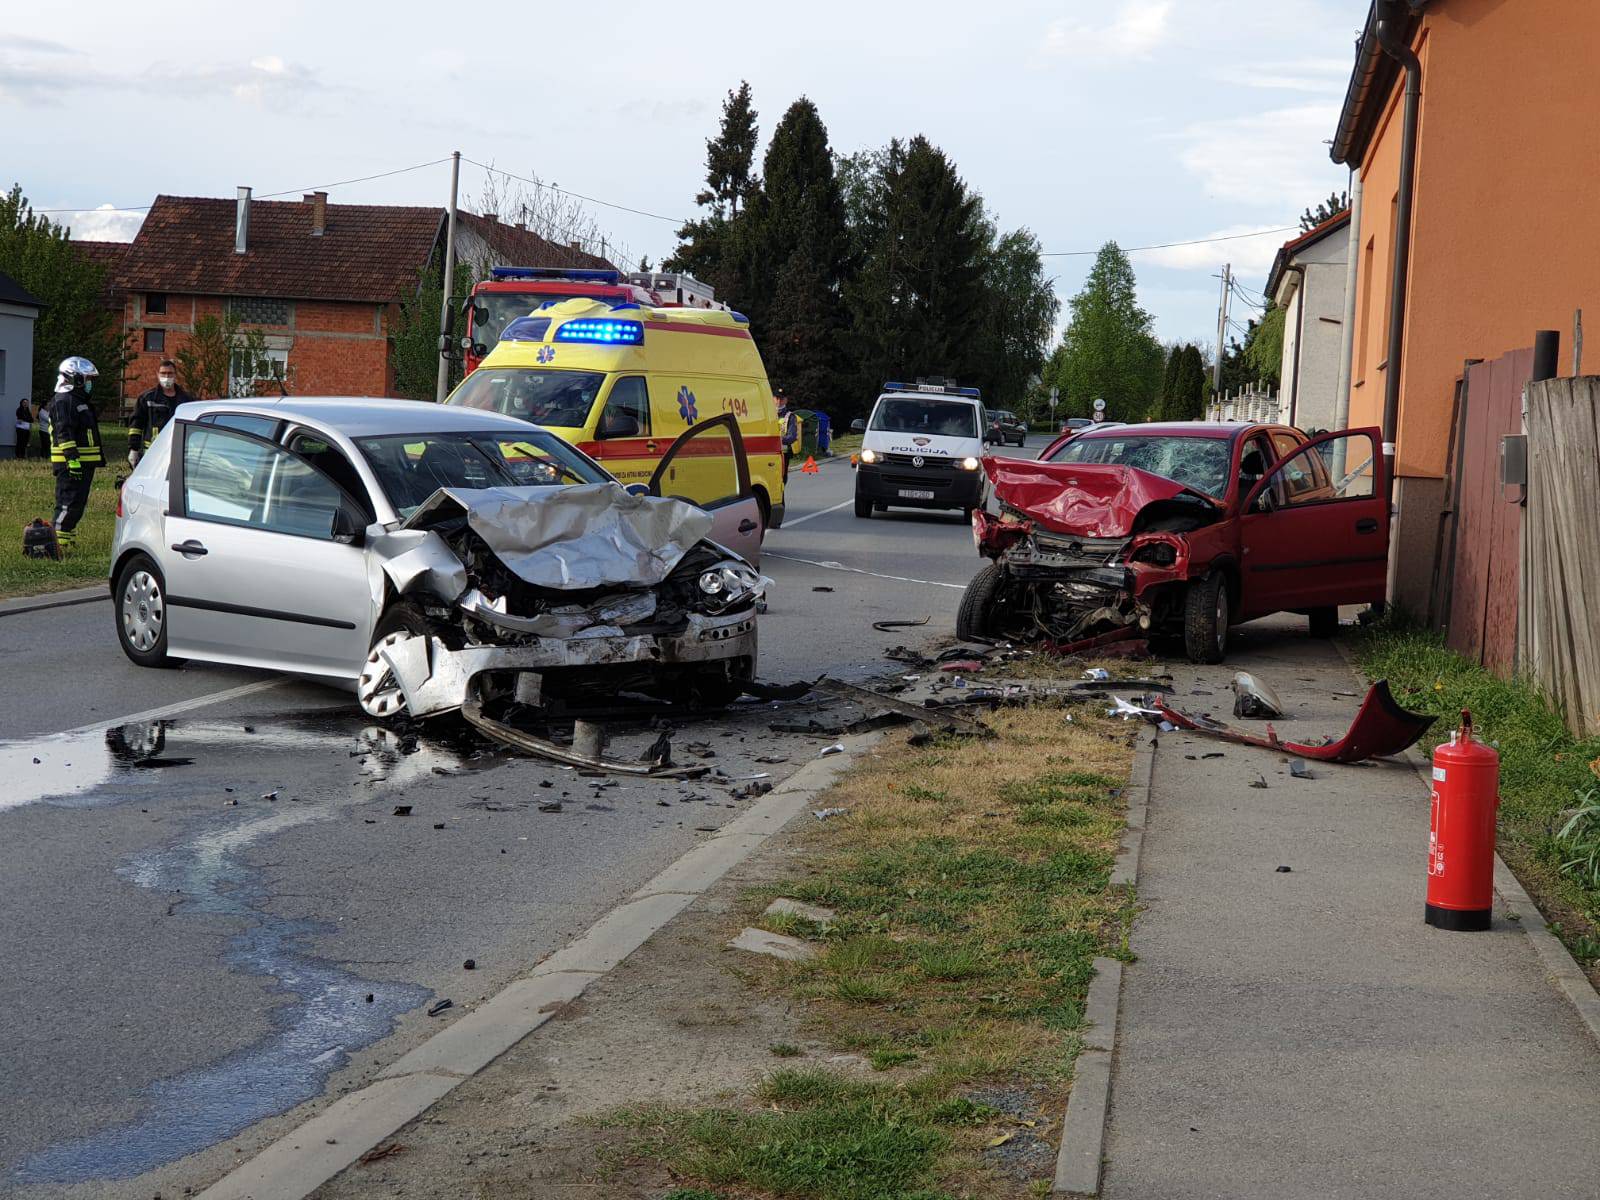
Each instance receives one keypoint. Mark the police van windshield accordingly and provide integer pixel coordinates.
(559, 398)
(936, 418)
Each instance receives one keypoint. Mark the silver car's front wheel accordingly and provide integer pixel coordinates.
(143, 611)
(377, 689)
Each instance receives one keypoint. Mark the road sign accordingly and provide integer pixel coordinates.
(1099, 405)
(1055, 397)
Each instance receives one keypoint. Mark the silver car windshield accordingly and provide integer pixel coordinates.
(412, 466)
(1198, 463)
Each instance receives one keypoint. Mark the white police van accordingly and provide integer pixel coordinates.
(922, 448)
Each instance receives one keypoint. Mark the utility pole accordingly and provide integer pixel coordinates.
(446, 325)
(1222, 325)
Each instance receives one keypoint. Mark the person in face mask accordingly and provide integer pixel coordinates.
(75, 447)
(153, 410)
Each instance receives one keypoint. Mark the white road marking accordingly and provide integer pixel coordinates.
(171, 710)
(835, 566)
(813, 516)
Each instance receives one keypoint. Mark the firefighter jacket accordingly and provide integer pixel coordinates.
(74, 430)
(151, 412)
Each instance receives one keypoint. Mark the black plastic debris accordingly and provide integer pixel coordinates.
(470, 965)
(821, 588)
(435, 1009)
(402, 810)
(438, 824)
(886, 626)
(1260, 781)
(553, 806)
(1284, 870)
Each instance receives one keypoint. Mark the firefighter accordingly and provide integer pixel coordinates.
(75, 448)
(153, 410)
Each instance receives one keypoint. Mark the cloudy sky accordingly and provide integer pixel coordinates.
(1144, 121)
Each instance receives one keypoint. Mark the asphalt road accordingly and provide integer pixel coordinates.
(195, 949)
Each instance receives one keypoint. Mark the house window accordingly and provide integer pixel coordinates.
(155, 341)
(253, 375)
(155, 304)
(259, 310)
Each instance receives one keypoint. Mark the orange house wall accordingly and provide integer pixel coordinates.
(1505, 235)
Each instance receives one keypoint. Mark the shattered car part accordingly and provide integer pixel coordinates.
(520, 739)
(886, 626)
(1381, 729)
(869, 699)
(1254, 697)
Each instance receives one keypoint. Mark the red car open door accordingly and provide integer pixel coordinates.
(1314, 533)
(706, 466)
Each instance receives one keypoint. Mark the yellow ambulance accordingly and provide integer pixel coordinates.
(621, 382)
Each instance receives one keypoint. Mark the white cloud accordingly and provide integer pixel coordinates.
(1249, 255)
(1276, 159)
(1137, 27)
(1324, 76)
(102, 224)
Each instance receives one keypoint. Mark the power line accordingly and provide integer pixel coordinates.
(315, 187)
(1231, 237)
(576, 195)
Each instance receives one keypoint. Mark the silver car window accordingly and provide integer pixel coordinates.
(241, 481)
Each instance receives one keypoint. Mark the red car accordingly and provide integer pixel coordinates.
(1179, 530)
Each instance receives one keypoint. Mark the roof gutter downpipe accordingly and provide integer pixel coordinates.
(1390, 30)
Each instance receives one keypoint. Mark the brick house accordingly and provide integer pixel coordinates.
(320, 281)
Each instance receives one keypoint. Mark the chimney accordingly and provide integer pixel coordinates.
(575, 247)
(319, 212)
(241, 222)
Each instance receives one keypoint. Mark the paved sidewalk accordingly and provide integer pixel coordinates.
(1304, 1034)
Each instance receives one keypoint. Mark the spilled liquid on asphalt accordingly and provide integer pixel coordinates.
(326, 1014)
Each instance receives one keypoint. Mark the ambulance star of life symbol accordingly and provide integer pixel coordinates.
(686, 404)
(916, 460)
(545, 354)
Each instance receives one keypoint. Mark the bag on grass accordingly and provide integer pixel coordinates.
(39, 540)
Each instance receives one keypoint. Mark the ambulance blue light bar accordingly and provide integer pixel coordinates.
(576, 274)
(937, 389)
(526, 329)
(600, 331)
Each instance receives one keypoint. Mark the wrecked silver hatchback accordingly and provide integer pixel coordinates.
(531, 591)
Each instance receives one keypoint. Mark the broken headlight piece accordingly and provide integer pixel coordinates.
(728, 585)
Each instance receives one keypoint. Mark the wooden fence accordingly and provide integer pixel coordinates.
(1558, 641)
(1479, 611)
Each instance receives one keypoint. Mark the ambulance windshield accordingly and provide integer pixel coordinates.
(920, 414)
(559, 398)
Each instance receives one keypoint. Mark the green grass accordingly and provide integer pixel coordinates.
(1544, 770)
(971, 890)
(28, 490)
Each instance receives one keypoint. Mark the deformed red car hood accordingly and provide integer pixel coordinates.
(1089, 499)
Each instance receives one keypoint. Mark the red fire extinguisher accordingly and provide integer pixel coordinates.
(1466, 795)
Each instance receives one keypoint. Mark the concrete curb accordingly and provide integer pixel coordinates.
(1083, 1129)
(27, 604)
(308, 1156)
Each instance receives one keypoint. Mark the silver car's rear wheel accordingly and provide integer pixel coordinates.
(377, 689)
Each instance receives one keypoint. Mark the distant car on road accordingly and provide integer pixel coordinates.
(1006, 427)
(360, 540)
(1179, 529)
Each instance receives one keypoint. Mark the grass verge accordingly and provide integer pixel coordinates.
(1544, 770)
(970, 886)
(28, 490)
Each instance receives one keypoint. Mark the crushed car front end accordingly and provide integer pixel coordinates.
(530, 594)
(1086, 552)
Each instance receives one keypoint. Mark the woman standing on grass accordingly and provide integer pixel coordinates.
(24, 426)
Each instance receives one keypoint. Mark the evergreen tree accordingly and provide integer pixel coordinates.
(1108, 350)
(39, 255)
(1189, 386)
(1336, 203)
(1018, 316)
(1167, 409)
(793, 234)
(704, 245)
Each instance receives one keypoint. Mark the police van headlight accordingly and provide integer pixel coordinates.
(969, 463)
(869, 456)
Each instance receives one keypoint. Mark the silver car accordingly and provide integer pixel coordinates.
(429, 555)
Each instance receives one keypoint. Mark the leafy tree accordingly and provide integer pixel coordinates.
(1108, 350)
(1018, 315)
(414, 335)
(38, 253)
(730, 156)
(1263, 351)
(1326, 210)
(219, 352)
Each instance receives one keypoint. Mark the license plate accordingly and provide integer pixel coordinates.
(911, 494)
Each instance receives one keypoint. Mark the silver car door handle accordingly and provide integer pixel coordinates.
(190, 549)
(748, 526)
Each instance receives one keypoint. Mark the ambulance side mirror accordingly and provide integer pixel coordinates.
(858, 426)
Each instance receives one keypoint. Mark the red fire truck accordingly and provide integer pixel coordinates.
(512, 292)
